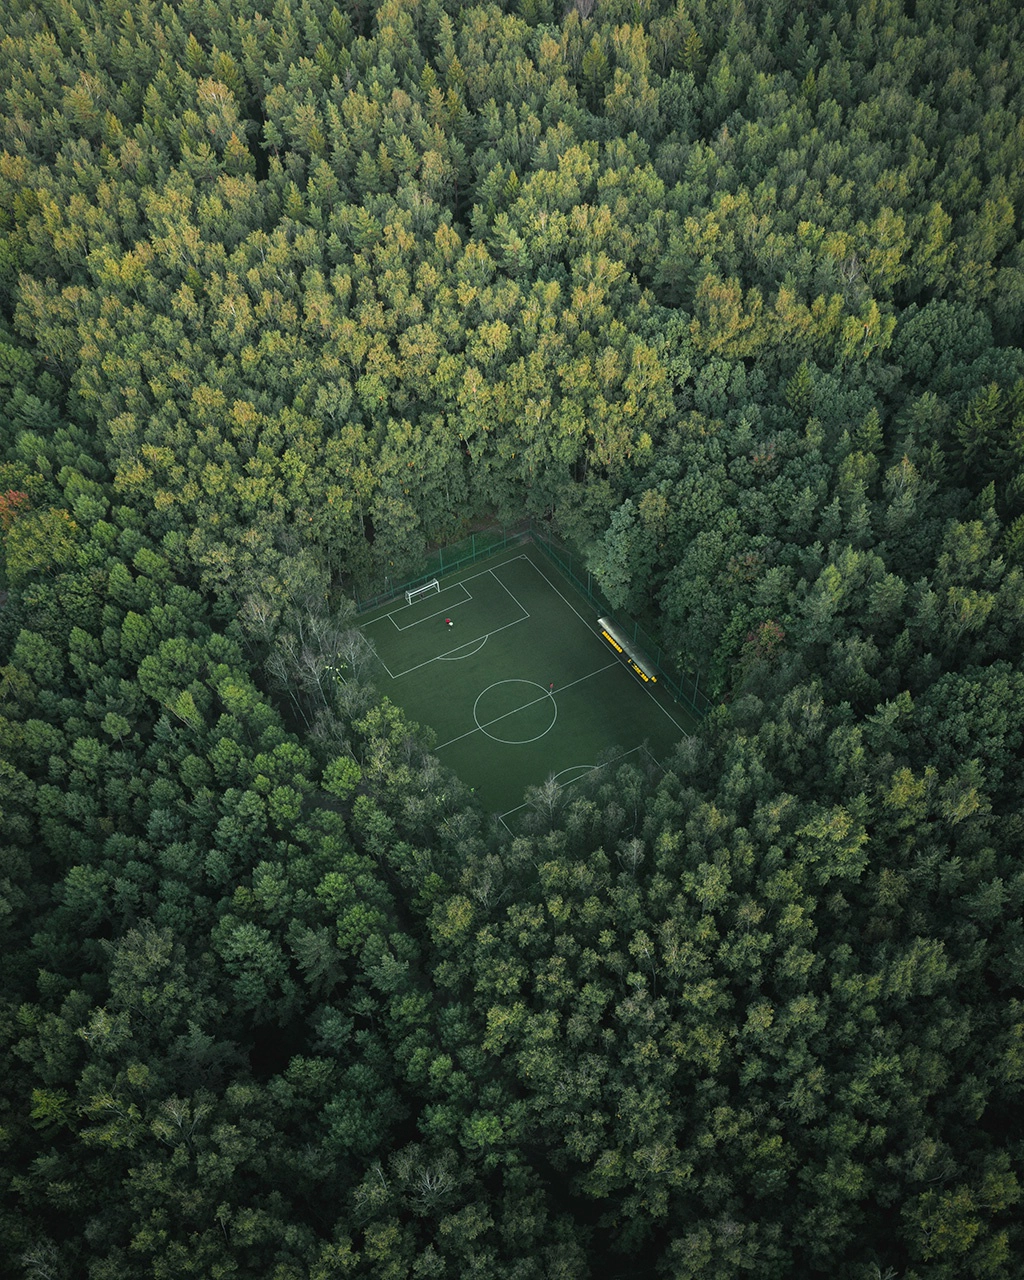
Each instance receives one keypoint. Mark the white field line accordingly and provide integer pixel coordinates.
(562, 785)
(477, 728)
(461, 583)
(446, 656)
(566, 599)
(456, 655)
(452, 655)
(672, 719)
(595, 633)
(510, 592)
(429, 617)
(384, 665)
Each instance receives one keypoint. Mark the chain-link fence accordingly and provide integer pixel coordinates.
(457, 555)
(685, 688)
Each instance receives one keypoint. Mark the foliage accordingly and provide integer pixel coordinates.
(730, 295)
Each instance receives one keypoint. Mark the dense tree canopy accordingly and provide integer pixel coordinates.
(731, 294)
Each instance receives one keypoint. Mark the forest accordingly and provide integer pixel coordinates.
(729, 294)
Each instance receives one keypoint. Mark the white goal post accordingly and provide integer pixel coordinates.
(428, 588)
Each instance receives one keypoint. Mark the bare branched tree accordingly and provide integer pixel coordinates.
(43, 1260)
(631, 855)
(544, 802)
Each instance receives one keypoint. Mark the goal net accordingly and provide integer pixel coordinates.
(428, 589)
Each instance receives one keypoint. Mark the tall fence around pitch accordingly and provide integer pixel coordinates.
(684, 688)
(459, 555)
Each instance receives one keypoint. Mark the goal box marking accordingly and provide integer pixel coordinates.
(433, 587)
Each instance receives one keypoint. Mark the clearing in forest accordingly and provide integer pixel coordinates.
(506, 662)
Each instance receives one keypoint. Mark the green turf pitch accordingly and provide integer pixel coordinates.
(484, 683)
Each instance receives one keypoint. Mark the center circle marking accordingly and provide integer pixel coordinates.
(516, 742)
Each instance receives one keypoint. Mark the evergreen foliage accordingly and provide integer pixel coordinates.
(732, 295)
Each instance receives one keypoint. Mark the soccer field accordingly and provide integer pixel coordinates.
(508, 666)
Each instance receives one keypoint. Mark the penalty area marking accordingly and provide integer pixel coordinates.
(441, 657)
(456, 655)
(467, 596)
(579, 770)
(583, 770)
